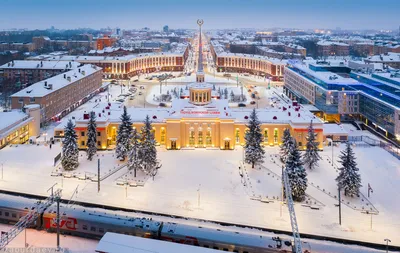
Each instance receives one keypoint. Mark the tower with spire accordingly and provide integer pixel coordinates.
(200, 72)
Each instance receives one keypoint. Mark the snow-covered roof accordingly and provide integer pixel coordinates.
(11, 118)
(331, 43)
(48, 65)
(334, 129)
(120, 243)
(389, 57)
(42, 88)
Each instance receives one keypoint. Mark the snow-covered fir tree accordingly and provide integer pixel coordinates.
(349, 179)
(296, 173)
(254, 152)
(226, 93)
(70, 152)
(92, 138)
(286, 138)
(124, 136)
(232, 95)
(311, 157)
(148, 149)
(135, 156)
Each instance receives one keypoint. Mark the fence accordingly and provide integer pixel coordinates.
(389, 147)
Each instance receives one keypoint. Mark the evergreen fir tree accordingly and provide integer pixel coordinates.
(148, 147)
(296, 173)
(349, 179)
(225, 93)
(70, 152)
(92, 138)
(311, 157)
(286, 138)
(254, 152)
(135, 156)
(124, 136)
(232, 95)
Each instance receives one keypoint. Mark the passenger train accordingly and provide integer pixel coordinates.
(94, 223)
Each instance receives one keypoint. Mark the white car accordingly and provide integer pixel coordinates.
(140, 93)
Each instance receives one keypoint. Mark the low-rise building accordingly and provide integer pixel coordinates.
(17, 126)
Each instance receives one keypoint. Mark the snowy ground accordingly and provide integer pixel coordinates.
(207, 184)
(41, 241)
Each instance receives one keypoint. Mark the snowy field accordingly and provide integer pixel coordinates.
(41, 241)
(207, 184)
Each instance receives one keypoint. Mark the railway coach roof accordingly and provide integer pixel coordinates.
(228, 237)
(102, 216)
(118, 243)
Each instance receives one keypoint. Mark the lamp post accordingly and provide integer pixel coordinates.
(340, 208)
(387, 244)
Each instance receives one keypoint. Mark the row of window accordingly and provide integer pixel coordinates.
(83, 133)
(7, 214)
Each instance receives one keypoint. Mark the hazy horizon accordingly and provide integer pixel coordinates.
(258, 14)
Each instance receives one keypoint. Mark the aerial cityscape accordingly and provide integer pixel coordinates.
(200, 126)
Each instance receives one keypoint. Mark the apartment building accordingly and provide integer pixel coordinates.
(60, 94)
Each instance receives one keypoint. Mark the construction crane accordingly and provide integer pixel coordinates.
(295, 229)
(29, 218)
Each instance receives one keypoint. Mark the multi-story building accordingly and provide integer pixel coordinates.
(129, 65)
(121, 51)
(388, 59)
(44, 41)
(103, 42)
(255, 64)
(364, 48)
(341, 95)
(28, 72)
(328, 48)
(60, 94)
(30, 47)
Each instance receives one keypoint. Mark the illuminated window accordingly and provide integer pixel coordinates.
(191, 137)
(162, 139)
(237, 136)
(200, 139)
(265, 135)
(275, 135)
(208, 137)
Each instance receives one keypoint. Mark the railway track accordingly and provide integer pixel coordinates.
(276, 231)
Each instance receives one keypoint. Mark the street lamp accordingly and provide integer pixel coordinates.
(387, 244)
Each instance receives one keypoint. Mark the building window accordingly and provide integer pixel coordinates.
(200, 137)
(98, 143)
(275, 135)
(32, 100)
(162, 138)
(237, 136)
(265, 135)
(208, 137)
(191, 137)
(99, 134)
(82, 143)
(82, 133)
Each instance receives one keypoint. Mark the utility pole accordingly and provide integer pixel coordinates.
(198, 197)
(58, 223)
(282, 193)
(387, 244)
(340, 209)
(98, 175)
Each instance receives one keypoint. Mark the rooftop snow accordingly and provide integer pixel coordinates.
(39, 90)
(48, 65)
(10, 118)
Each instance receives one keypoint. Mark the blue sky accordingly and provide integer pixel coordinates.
(351, 14)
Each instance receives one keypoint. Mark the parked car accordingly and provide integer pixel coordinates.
(162, 104)
(253, 102)
(142, 87)
(140, 93)
(120, 100)
(241, 105)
